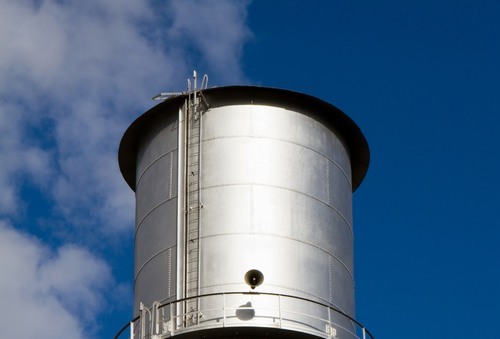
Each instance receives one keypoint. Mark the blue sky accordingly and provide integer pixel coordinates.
(420, 78)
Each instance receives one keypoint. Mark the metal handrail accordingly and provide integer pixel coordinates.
(365, 333)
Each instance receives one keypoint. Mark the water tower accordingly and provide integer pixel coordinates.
(244, 215)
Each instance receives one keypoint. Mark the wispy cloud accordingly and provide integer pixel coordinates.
(46, 293)
(85, 67)
(73, 75)
(216, 29)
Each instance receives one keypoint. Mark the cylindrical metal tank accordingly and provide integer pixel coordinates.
(241, 178)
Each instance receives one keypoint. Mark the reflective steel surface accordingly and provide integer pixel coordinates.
(156, 210)
(276, 193)
(276, 174)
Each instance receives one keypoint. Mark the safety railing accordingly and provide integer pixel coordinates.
(243, 309)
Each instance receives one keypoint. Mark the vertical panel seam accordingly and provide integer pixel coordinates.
(170, 175)
(328, 193)
(330, 282)
(169, 270)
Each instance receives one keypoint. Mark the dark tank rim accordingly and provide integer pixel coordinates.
(320, 110)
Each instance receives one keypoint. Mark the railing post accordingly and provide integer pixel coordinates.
(156, 318)
(143, 320)
(131, 330)
(364, 333)
(152, 314)
(173, 319)
(223, 310)
(329, 318)
(279, 310)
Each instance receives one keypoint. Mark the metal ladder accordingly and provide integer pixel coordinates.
(193, 205)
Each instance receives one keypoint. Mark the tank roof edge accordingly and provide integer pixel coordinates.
(327, 113)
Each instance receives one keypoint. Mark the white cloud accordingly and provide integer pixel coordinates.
(48, 294)
(217, 29)
(89, 66)
(73, 75)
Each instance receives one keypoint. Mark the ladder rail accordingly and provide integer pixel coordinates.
(193, 204)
